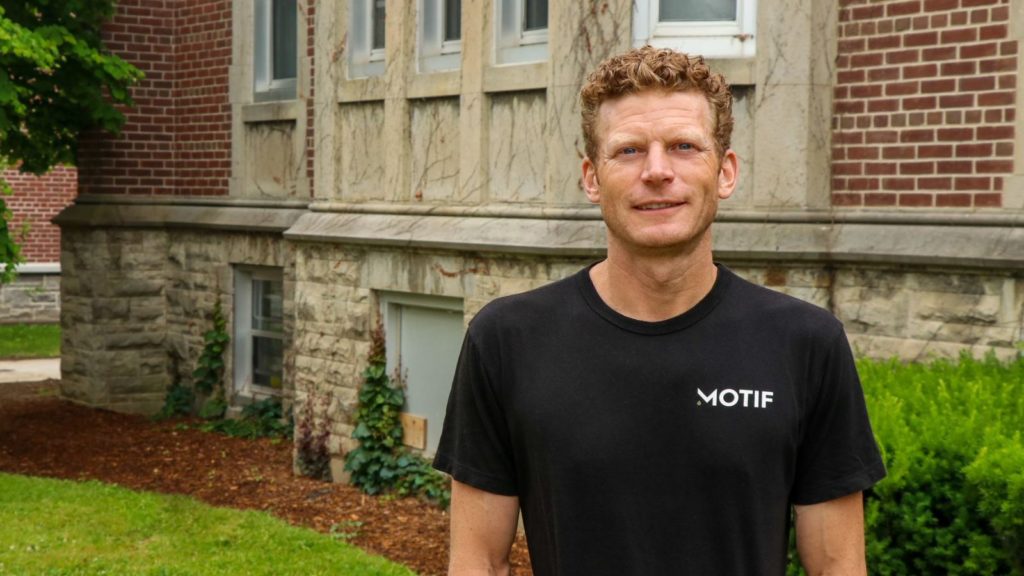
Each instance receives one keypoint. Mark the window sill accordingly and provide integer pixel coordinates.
(361, 90)
(516, 77)
(737, 71)
(435, 84)
(270, 112)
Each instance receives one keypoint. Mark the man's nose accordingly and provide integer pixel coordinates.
(657, 168)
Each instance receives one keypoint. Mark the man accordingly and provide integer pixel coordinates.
(656, 414)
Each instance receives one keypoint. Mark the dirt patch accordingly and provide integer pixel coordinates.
(41, 435)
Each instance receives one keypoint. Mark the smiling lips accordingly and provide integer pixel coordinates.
(659, 206)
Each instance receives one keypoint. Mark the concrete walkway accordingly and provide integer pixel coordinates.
(29, 370)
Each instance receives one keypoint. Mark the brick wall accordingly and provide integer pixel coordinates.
(923, 103)
(177, 138)
(35, 201)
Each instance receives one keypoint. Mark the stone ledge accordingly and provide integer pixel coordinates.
(233, 218)
(972, 246)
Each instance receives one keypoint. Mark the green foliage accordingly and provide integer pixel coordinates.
(209, 372)
(29, 341)
(177, 402)
(262, 419)
(381, 463)
(58, 527)
(312, 454)
(56, 81)
(950, 433)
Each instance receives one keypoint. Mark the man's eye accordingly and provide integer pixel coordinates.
(684, 146)
(628, 150)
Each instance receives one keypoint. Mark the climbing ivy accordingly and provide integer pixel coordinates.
(381, 463)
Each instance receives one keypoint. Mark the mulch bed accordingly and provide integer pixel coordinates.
(41, 435)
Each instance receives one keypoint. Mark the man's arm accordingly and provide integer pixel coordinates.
(830, 537)
(483, 528)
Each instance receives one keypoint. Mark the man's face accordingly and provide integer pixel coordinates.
(657, 176)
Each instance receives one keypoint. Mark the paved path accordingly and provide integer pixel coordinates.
(29, 370)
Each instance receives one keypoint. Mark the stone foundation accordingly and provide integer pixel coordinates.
(33, 297)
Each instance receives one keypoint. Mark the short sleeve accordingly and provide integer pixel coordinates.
(475, 446)
(837, 454)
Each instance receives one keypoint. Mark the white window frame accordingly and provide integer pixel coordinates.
(436, 53)
(513, 44)
(265, 86)
(364, 59)
(713, 39)
(243, 331)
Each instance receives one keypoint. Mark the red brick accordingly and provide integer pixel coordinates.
(979, 16)
(997, 65)
(959, 68)
(959, 36)
(916, 136)
(977, 3)
(972, 183)
(993, 116)
(898, 184)
(979, 50)
(902, 56)
(898, 152)
(861, 153)
(938, 5)
(887, 105)
(954, 167)
(935, 183)
(866, 91)
(994, 167)
(994, 32)
(862, 184)
(868, 60)
(882, 137)
(883, 42)
(901, 88)
(956, 101)
(868, 12)
(996, 99)
(883, 74)
(879, 199)
(1004, 149)
(938, 86)
(988, 200)
(916, 200)
(955, 134)
(879, 168)
(847, 168)
(917, 168)
(935, 151)
(938, 54)
(974, 150)
(921, 39)
(952, 200)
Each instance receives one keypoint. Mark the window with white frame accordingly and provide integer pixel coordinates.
(367, 30)
(522, 31)
(275, 50)
(440, 35)
(259, 331)
(423, 336)
(711, 28)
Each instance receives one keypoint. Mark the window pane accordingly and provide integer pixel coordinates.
(452, 20)
(267, 355)
(696, 10)
(285, 50)
(536, 17)
(267, 311)
(378, 24)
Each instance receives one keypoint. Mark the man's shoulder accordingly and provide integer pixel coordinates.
(532, 308)
(756, 303)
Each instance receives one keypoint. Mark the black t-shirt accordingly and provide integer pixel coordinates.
(672, 447)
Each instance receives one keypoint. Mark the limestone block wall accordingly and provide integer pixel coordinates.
(33, 298)
(113, 318)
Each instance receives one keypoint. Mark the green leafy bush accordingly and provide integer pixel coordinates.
(381, 463)
(263, 419)
(950, 433)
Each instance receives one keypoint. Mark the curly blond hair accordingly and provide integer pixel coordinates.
(649, 68)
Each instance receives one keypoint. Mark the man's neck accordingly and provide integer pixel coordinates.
(654, 287)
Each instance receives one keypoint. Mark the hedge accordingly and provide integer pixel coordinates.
(951, 436)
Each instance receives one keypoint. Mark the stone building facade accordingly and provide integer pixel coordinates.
(391, 162)
(34, 296)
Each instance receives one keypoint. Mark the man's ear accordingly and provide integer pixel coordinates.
(728, 174)
(590, 184)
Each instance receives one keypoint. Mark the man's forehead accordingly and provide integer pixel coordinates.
(606, 107)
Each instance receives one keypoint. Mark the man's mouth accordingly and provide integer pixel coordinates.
(659, 206)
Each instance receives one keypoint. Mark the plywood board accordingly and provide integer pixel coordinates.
(414, 431)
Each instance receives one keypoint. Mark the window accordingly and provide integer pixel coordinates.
(712, 28)
(259, 331)
(522, 33)
(275, 49)
(423, 337)
(440, 34)
(367, 31)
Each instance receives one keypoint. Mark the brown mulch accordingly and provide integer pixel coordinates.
(41, 435)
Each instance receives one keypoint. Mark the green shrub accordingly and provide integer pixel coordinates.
(950, 433)
(381, 463)
(262, 419)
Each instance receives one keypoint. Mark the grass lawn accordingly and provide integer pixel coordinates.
(29, 341)
(57, 527)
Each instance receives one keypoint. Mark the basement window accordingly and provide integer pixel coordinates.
(259, 331)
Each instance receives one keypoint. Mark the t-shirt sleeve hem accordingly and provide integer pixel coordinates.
(857, 482)
(474, 478)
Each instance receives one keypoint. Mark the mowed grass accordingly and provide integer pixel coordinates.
(56, 527)
(29, 341)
